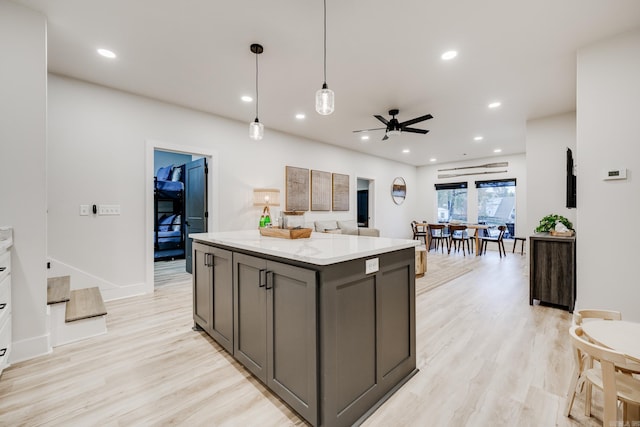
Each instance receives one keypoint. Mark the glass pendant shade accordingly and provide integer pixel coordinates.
(256, 130)
(324, 100)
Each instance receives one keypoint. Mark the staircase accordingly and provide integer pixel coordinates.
(76, 314)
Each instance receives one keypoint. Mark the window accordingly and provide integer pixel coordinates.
(497, 203)
(452, 201)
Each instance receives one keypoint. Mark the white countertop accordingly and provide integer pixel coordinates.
(319, 249)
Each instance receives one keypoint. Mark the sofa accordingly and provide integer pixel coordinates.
(345, 227)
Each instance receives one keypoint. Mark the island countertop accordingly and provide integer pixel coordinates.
(319, 249)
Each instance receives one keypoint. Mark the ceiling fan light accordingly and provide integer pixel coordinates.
(393, 132)
(325, 101)
(256, 130)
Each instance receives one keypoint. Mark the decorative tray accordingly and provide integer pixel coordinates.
(286, 233)
(569, 233)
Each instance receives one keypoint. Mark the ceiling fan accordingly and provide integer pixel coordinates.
(393, 127)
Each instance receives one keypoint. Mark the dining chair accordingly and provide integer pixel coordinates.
(498, 239)
(579, 369)
(615, 385)
(458, 236)
(438, 234)
(419, 231)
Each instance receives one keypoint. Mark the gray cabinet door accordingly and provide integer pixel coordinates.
(202, 278)
(222, 298)
(292, 337)
(250, 306)
(213, 293)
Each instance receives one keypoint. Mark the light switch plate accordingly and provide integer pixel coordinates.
(371, 265)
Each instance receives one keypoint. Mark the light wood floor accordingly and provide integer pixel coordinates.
(486, 358)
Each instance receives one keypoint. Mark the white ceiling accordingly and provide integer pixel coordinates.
(380, 55)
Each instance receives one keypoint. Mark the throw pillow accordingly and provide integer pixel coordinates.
(163, 173)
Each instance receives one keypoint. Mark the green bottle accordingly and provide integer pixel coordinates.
(262, 221)
(267, 220)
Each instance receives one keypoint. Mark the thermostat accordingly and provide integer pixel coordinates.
(615, 174)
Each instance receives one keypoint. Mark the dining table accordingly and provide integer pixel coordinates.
(620, 335)
(476, 234)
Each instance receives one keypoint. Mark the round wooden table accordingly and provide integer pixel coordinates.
(619, 335)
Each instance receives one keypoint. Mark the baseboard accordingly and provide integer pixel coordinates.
(30, 348)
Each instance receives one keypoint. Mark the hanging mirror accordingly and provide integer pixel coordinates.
(398, 190)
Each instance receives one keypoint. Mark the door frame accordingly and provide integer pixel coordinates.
(372, 197)
(213, 191)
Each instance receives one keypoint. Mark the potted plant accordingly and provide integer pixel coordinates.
(548, 225)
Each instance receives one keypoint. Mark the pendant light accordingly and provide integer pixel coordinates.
(324, 96)
(256, 129)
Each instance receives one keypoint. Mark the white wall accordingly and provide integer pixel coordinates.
(23, 85)
(547, 142)
(97, 155)
(428, 177)
(608, 136)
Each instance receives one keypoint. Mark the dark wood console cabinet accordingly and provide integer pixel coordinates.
(552, 270)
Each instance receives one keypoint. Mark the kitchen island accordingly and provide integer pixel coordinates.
(327, 323)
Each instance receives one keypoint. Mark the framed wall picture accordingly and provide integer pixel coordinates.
(398, 190)
(340, 192)
(320, 191)
(297, 196)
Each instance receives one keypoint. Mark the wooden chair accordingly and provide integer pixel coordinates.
(498, 239)
(438, 234)
(458, 236)
(615, 385)
(515, 242)
(419, 231)
(578, 371)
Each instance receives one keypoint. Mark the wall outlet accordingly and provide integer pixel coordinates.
(84, 210)
(108, 209)
(371, 265)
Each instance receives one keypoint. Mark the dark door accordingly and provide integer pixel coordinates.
(195, 184)
(363, 208)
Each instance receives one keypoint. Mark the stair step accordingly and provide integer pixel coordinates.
(58, 289)
(85, 303)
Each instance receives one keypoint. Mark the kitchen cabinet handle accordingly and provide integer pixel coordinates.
(2, 269)
(3, 305)
(262, 280)
(269, 280)
(208, 260)
(3, 352)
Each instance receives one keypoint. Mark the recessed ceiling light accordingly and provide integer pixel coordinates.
(450, 54)
(406, 150)
(497, 150)
(478, 138)
(364, 137)
(495, 104)
(247, 98)
(107, 53)
(300, 116)
(433, 159)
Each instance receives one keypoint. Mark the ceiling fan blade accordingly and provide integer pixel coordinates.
(382, 119)
(416, 120)
(414, 130)
(367, 130)
(385, 137)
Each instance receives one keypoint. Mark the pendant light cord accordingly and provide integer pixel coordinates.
(325, 42)
(256, 86)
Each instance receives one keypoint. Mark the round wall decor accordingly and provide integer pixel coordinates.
(398, 190)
